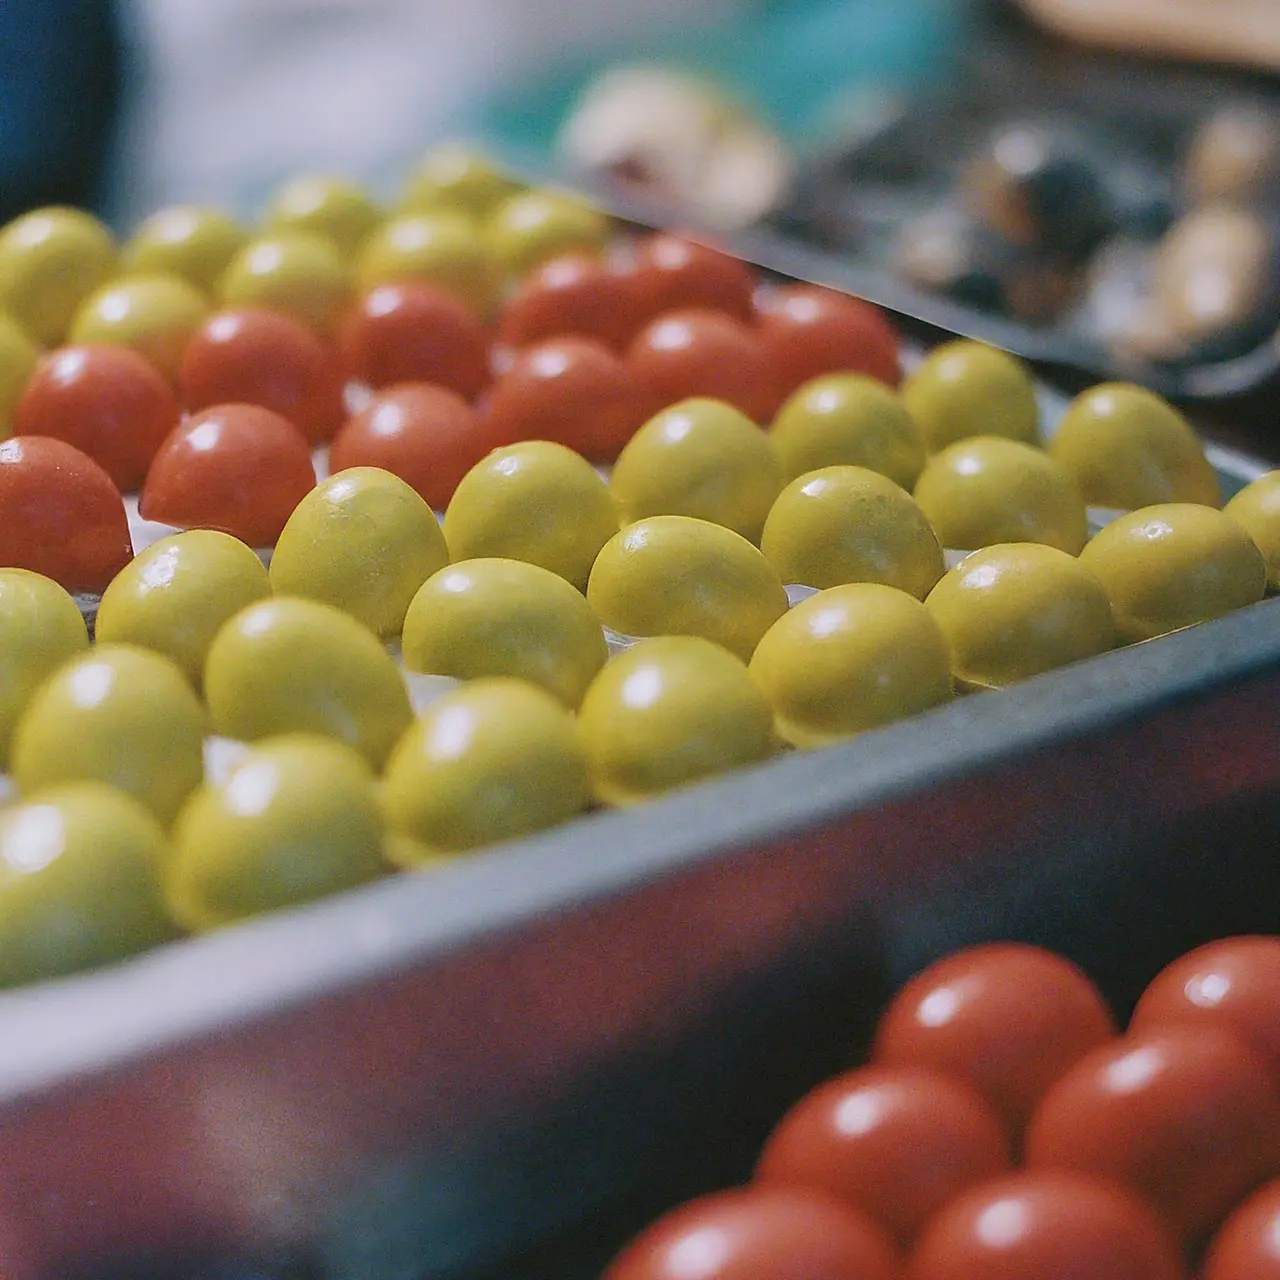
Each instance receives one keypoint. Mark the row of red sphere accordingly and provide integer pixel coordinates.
(1005, 1131)
(583, 354)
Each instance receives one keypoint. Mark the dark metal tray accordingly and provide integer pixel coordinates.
(431, 1074)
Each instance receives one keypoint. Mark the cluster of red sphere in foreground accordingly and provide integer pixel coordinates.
(1005, 1131)
(583, 353)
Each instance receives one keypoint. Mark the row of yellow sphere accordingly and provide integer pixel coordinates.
(459, 224)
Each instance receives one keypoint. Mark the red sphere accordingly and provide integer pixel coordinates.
(706, 353)
(60, 515)
(428, 436)
(1006, 1017)
(1248, 1246)
(674, 274)
(895, 1142)
(1046, 1225)
(410, 331)
(1233, 984)
(236, 468)
(107, 401)
(809, 331)
(760, 1233)
(573, 391)
(575, 294)
(1189, 1116)
(249, 355)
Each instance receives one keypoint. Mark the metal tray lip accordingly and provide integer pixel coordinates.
(57, 1032)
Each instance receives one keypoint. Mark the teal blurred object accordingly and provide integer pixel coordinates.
(796, 63)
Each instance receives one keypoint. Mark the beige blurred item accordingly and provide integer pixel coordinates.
(1245, 32)
(673, 137)
(1235, 156)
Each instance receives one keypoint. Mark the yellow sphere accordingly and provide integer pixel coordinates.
(988, 490)
(1128, 448)
(444, 249)
(494, 617)
(965, 389)
(119, 715)
(185, 240)
(674, 575)
(40, 629)
(362, 541)
(1256, 509)
(535, 226)
(849, 659)
(79, 882)
(536, 501)
(296, 819)
(297, 272)
(18, 355)
(155, 315)
(494, 760)
(700, 458)
(846, 419)
(1019, 608)
(325, 206)
(668, 712)
(174, 596)
(848, 524)
(288, 665)
(1174, 565)
(455, 178)
(50, 261)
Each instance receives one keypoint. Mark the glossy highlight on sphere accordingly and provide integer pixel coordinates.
(1189, 1116)
(249, 355)
(1173, 566)
(847, 524)
(107, 401)
(326, 206)
(1046, 1225)
(1233, 984)
(63, 516)
(155, 315)
(236, 468)
(1014, 610)
(987, 490)
(1007, 1017)
(442, 249)
(428, 436)
(79, 882)
(296, 272)
(706, 353)
(574, 391)
(759, 1233)
(896, 1142)
(575, 294)
(40, 629)
(288, 665)
(669, 273)
(1248, 1246)
(175, 595)
(185, 240)
(674, 575)
(536, 501)
(1128, 448)
(965, 389)
(668, 712)
(120, 715)
(414, 331)
(495, 617)
(700, 458)
(455, 177)
(493, 760)
(296, 819)
(51, 260)
(849, 659)
(362, 541)
(848, 419)
(532, 227)
(810, 331)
